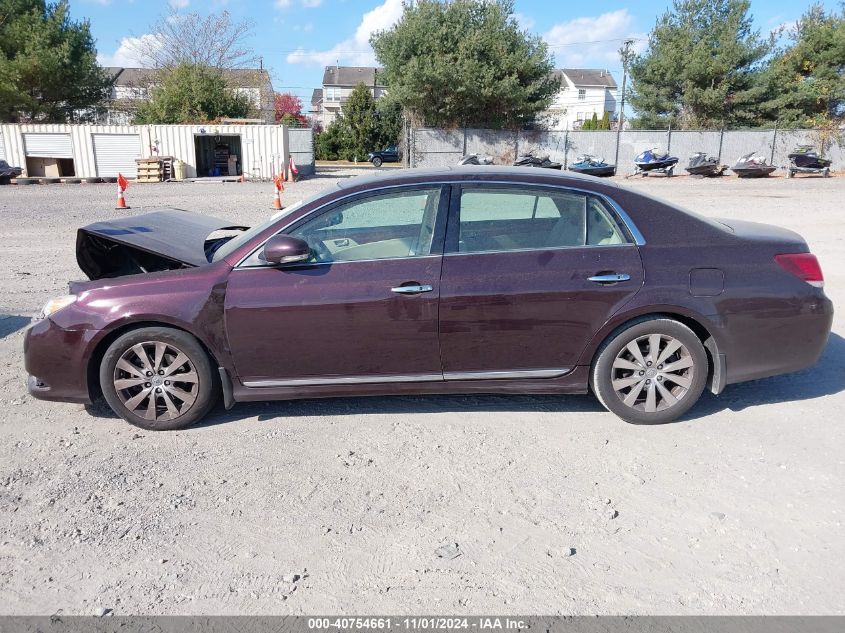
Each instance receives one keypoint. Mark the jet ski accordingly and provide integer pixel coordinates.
(654, 160)
(752, 166)
(529, 160)
(804, 159)
(7, 172)
(592, 166)
(475, 159)
(700, 164)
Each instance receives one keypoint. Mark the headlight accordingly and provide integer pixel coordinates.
(54, 305)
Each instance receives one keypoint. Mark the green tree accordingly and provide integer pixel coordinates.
(465, 63)
(359, 123)
(804, 83)
(364, 126)
(329, 143)
(389, 116)
(48, 64)
(192, 94)
(700, 67)
(604, 124)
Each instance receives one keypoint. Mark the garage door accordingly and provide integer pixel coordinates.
(48, 145)
(116, 153)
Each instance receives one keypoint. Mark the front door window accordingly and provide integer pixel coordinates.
(385, 226)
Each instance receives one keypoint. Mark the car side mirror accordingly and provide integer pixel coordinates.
(285, 249)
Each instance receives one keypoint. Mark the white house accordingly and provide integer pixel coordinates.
(583, 92)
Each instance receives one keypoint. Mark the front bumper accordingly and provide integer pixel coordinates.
(56, 360)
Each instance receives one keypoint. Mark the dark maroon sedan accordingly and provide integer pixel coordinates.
(462, 280)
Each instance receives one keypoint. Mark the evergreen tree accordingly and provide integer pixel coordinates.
(699, 69)
(804, 83)
(48, 64)
(466, 63)
(364, 126)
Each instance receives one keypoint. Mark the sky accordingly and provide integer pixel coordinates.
(298, 38)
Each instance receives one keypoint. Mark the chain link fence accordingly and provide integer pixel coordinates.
(432, 147)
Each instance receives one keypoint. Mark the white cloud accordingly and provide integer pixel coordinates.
(354, 50)
(310, 4)
(606, 30)
(526, 22)
(282, 4)
(179, 4)
(127, 53)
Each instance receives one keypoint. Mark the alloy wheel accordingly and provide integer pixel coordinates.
(156, 381)
(652, 373)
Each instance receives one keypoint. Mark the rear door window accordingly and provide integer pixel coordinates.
(503, 219)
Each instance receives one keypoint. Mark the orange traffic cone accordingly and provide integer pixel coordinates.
(277, 198)
(294, 171)
(122, 184)
(121, 201)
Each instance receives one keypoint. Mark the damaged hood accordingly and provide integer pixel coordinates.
(161, 240)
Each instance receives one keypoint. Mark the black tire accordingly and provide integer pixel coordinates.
(377, 162)
(603, 372)
(206, 391)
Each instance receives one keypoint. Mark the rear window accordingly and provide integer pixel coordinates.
(520, 218)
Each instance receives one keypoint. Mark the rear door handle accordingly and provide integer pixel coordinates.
(610, 278)
(412, 290)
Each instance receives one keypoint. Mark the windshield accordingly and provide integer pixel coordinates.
(239, 240)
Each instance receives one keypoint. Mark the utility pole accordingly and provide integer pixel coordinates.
(625, 53)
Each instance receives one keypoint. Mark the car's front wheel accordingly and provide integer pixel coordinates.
(651, 372)
(158, 378)
(376, 161)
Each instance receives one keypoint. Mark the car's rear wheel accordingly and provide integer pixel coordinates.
(376, 161)
(158, 378)
(651, 372)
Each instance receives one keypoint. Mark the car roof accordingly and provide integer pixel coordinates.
(473, 172)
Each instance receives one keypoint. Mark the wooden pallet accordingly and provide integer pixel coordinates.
(149, 170)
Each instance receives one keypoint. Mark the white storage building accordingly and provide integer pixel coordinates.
(87, 151)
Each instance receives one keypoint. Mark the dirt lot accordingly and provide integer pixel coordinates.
(338, 506)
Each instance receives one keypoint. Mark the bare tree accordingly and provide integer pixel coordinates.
(214, 40)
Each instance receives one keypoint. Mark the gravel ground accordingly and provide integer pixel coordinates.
(339, 505)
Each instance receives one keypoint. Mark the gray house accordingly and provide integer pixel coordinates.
(338, 82)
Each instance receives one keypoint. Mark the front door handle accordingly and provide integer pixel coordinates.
(412, 290)
(610, 278)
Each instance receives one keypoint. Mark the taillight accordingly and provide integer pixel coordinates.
(804, 266)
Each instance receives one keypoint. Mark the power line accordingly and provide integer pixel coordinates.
(302, 51)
